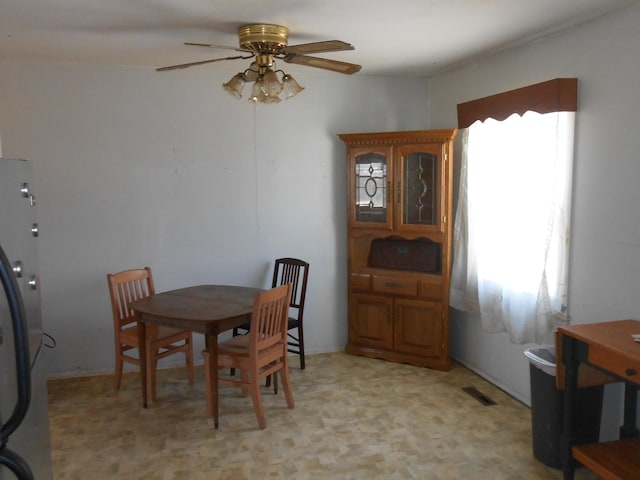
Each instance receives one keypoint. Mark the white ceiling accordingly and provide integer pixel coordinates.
(408, 37)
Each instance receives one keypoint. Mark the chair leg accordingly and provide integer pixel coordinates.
(301, 346)
(244, 377)
(235, 333)
(189, 360)
(118, 373)
(257, 400)
(286, 385)
(151, 374)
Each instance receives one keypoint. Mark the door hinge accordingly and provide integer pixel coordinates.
(444, 219)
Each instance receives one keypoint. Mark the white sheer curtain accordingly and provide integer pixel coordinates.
(511, 231)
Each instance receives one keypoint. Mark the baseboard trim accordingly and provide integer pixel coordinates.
(490, 379)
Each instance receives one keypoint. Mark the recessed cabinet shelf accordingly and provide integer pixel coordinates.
(399, 243)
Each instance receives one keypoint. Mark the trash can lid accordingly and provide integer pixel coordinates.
(543, 357)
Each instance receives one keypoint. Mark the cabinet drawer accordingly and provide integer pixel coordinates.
(360, 282)
(395, 285)
(624, 366)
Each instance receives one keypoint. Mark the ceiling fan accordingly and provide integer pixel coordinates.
(266, 43)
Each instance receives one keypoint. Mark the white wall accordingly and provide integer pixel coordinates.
(135, 168)
(605, 258)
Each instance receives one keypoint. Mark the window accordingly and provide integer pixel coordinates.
(511, 230)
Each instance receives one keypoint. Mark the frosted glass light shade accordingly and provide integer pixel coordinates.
(252, 72)
(257, 92)
(290, 86)
(236, 84)
(267, 85)
(271, 84)
(272, 99)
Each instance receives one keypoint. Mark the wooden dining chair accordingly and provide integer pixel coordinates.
(124, 288)
(295, 272)
(260, 353)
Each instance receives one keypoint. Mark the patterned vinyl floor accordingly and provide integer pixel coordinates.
(355, 418)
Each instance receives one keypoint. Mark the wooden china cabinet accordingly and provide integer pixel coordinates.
(399, 245)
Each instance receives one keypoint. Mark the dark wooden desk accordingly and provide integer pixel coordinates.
(609, 347)
(206, 309)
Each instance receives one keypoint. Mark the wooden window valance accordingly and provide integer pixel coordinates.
(557, 95)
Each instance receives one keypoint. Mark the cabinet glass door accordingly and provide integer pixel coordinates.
(419, 188)
(371, 188)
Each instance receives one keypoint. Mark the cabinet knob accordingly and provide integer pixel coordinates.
(630, 372)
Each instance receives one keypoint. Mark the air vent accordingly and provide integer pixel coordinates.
(478, 395)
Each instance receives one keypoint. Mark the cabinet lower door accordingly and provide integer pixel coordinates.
(370, 321)
(418, 328)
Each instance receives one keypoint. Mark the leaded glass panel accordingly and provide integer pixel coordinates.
(419, 198)
(371, 188)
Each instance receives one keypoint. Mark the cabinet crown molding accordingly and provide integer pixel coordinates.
(391, 138)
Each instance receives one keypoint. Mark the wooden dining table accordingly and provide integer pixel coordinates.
(206, 309)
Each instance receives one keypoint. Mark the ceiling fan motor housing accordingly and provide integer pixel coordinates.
(263, 38)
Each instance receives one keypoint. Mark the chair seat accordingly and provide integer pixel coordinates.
(239, 346)
(291, 323)
(235, 345)
(153, 334)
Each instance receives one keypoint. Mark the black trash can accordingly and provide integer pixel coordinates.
(547, 410)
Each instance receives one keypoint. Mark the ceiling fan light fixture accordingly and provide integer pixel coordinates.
(236, 84)
(267, 85)
(290, 87)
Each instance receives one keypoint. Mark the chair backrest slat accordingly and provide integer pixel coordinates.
(295, 272)
(125, 287)
(269, 318)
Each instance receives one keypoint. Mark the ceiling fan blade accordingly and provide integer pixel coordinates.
(317, 47)
(202, 62)
(334, 65)
(210, 45)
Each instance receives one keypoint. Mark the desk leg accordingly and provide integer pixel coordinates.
(629, 429)
(570, 387)
(211, 343)
(142, 353)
